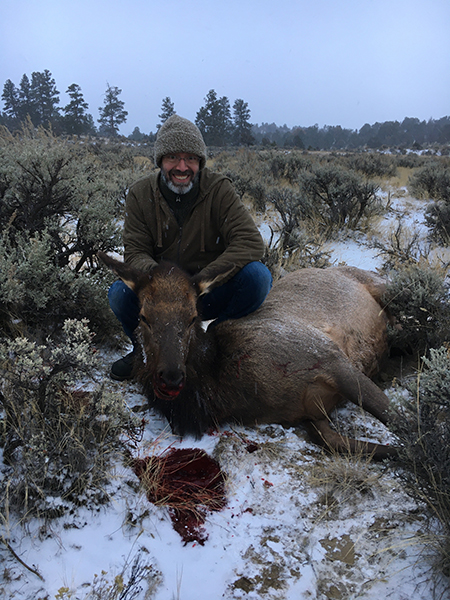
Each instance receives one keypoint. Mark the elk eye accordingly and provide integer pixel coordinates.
(143, 319)
(192, 321)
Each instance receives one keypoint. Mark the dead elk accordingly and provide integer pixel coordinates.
(315, 341)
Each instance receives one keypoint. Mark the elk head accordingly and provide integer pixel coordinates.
(169, 320)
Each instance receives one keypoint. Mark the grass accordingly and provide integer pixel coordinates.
(397, 182)
(342, 477)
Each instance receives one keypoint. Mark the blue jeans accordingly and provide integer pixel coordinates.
(239, 296)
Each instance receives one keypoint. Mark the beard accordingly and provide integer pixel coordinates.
(183, 188)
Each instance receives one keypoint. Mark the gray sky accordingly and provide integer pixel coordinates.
(296, 62)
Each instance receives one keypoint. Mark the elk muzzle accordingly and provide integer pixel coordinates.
(168, 383)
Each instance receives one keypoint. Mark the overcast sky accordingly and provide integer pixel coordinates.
(296, 62)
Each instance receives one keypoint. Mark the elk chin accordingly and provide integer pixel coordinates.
(163, 391)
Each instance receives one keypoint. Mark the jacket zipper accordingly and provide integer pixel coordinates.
(180, 233)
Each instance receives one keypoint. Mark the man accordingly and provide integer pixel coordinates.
(193, 217)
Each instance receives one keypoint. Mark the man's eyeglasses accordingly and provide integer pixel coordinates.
(173, 159)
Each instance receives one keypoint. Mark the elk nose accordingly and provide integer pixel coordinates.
(172, 378)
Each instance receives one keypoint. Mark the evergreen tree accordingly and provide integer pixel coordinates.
(242, 127)
(167, 110)
(11, 103)
(297, 138)
(27, 106)
(112, 114)
(90, 125)
(137, 135)
(214, 120)
(76, 121)
(45, 98)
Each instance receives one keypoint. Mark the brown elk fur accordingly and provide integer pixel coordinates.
(315, 341)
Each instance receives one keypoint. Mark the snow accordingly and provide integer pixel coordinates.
(297, 524)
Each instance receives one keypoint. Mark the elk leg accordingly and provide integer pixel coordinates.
(362, 391)
(323, 435)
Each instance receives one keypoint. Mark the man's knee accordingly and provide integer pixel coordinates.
(254, 282)
(257, 278)
(122, 298)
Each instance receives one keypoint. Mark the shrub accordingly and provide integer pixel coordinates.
(338, 198)
(60, 202)
(293, 210)
(56, 440)
(373, 164)
(246, 170)
(431, 181)
(437, 218)
(403, 246)
(408, 161)
(418, 298)
(37, 291)
(306, 253)
(288, 166)
(425, 449)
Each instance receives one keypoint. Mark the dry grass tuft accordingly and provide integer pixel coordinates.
(341, 477)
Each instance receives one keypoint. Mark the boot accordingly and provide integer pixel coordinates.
(122, 369)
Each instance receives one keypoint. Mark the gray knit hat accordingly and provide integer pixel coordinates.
(179, 135)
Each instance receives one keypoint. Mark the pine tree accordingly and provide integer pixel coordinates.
(10, 97)
(214, 120)
(27, 106)
(137, 135)
(242, 127)
(76, 121)
(112, 114)
(45, 98)
(167, 110)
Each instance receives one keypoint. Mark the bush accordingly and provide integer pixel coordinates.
(338, 198)
(404, 246)
(292, 245)
(303, 252)
(288, 166)
(431, 181)
(418, 298)
(37, 291)
(408, 161)
(437, 218)
(56, 440)
(425, 449)
(60, 202)
(373, 164)
(293, 210)
(246, 171)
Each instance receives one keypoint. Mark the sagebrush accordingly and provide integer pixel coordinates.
(425, 449)
(57, 439)
(60, 202)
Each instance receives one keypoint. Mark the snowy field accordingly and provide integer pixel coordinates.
(297, 525)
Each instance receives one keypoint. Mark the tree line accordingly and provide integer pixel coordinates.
(410, 133)
(37, 99)
(218, 124)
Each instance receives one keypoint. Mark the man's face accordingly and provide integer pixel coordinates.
(179, 171)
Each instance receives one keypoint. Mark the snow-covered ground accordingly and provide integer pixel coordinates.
(297, 525)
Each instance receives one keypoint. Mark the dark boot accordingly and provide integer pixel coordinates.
(122, 369)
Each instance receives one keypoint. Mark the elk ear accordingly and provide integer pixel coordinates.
(204, 283)
(129, 275)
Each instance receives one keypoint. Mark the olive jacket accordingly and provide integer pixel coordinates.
(217, 235)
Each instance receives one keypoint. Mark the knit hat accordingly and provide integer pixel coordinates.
(179, 135)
